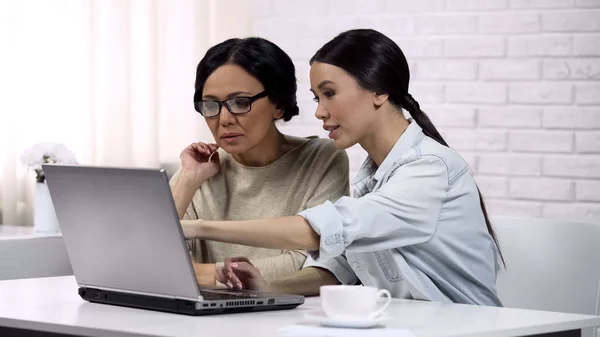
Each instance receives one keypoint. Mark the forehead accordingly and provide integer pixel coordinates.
(230, 78)
(320, 72)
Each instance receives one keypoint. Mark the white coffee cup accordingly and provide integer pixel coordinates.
(353, 302)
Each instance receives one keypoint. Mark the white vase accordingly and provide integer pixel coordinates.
(44, 217)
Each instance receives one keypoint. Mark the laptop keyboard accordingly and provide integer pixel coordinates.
(219, 295)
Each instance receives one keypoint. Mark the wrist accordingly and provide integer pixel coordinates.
(191, 178)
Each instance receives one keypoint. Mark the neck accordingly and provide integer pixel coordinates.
(380, 142)
(264, 153)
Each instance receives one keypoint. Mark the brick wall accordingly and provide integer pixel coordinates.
(514, 85)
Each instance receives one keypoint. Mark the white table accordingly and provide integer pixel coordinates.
(52, 305)
(25, 254)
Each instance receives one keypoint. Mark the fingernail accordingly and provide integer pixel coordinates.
(239, 285)
(235, 265)
(229, 285)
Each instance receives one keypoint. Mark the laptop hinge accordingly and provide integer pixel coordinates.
(200, 298)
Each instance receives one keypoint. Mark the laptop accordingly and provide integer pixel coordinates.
(126, 246)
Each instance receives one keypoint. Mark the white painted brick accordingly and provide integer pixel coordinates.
(445, 70)
(571, 117)
(510, 117)
(422, 6)
(304, 7)
(586, 45)
(587, 93)
(491, 93)
(337, 7)
(541, 141)
(514, 208)
(572, 69)
(475, 5)
(588, 212)
(588, 190)
(587, 141)
(301, 47)
(445, 24)
(421, 47)
(395, 25)
(300, 129)
(541, 189)
(540, 93)
(539, 45)
(580, 166)
(587, 3)
(307, 112)
(507, 23)
(541, 3)
(509, 69)
(571, 21)
(356, 156)
(427, 92)
(304, 27)
(453, 116)
(475, 47)
(510, 164)
(302, 73)
(492, 187)
(304, 93)
(472, 139)
(261, 7)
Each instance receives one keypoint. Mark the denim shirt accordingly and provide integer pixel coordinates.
(414, 227)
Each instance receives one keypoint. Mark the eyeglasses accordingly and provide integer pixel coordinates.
(235, 105)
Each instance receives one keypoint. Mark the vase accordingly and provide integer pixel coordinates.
(44, 216)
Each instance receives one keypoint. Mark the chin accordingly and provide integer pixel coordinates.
(233, 148)
(342, 144)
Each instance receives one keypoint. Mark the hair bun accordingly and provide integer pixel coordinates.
(290, 112)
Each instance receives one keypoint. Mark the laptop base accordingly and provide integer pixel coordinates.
(179, 306)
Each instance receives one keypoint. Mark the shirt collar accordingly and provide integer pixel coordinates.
(407, 140)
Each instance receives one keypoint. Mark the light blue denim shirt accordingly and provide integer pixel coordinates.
(414, 226)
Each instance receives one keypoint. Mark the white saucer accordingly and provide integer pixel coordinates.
(318, 316)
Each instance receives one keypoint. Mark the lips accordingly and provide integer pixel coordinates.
(332, 130)
(230, 135)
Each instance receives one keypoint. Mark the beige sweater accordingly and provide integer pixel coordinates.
(312, 172)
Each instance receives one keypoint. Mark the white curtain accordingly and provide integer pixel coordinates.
(110, 79)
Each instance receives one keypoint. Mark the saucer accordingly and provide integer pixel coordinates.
(318, 316)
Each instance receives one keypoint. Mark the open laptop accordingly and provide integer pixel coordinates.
(126, 246)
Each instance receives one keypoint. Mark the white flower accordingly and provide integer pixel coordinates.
(46, 153)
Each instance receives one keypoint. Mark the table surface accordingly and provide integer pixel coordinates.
(52, 304)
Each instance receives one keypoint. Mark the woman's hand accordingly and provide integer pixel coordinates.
(239, 272)
(199, 162)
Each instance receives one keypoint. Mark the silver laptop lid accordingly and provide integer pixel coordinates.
(121, 229)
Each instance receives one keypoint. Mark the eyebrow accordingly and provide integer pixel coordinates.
(233, 94)
(324, 83)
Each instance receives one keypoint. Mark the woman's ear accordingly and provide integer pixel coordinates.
(278, 113)
(379, 99)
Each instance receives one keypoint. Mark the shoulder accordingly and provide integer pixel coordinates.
(321, 148)
(430, 152)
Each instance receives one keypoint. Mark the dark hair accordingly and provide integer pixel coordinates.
(379, 65)
(262, 59)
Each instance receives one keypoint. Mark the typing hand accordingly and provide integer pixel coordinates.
(239, 272)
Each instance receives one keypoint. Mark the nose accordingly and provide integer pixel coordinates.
(321, 113)
(225, 117)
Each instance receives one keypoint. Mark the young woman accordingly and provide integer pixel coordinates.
(243, 86)
(416, 226)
